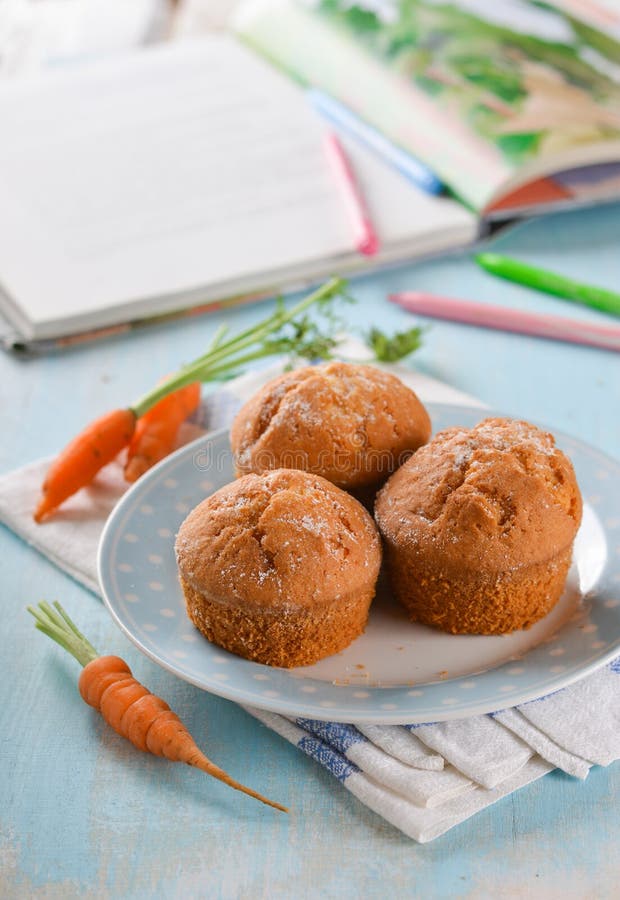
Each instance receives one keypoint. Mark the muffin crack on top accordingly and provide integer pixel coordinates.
(462, 464)
(478, 527)
(270, 411)
(352, 424)
(280, 567)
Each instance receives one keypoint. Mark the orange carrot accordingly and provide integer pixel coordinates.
(99, 443)
(106, 683)
(157, 429)
(79, 462)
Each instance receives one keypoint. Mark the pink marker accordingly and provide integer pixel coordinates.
(501, 318)
(366, 239)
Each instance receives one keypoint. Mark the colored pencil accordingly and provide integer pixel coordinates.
(346, 120)
(366, 239)
(550, 282)
(502, 318)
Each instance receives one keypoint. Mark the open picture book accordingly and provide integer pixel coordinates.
(513, 104)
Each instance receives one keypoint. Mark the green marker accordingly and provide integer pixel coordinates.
(550, 283)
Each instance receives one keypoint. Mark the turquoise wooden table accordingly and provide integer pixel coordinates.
(83, 814)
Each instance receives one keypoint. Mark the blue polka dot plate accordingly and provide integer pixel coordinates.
(397, 671)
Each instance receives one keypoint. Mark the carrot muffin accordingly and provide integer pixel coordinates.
(279, 568)
(478, 527)
(352, 424)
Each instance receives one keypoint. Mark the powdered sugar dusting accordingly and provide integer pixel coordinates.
(354, 424)
(284, 534)
(496, 488)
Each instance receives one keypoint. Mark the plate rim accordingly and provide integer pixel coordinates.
(288, 707)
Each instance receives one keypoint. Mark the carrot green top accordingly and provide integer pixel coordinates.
(56, 624)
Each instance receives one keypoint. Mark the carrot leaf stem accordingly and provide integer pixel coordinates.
(56, 624)
(218, 336)
(223, 368)
(224, 355)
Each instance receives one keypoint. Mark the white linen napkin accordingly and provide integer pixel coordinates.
(479, 747)
(594, 737)
(421, 786)
(538, 741)
(423, 779)
(421, 823)
(403, 745)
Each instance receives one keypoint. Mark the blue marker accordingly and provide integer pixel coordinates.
(407, 165)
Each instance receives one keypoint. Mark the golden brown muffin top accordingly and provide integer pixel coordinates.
(285, 538)
(499, 495)
(353, 424)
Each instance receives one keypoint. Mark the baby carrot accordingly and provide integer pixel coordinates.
(156, 430)
(106, 683)
(79, 462)
(100, 441)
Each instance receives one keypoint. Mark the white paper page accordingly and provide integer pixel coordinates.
(126, 186)
(180, 167)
